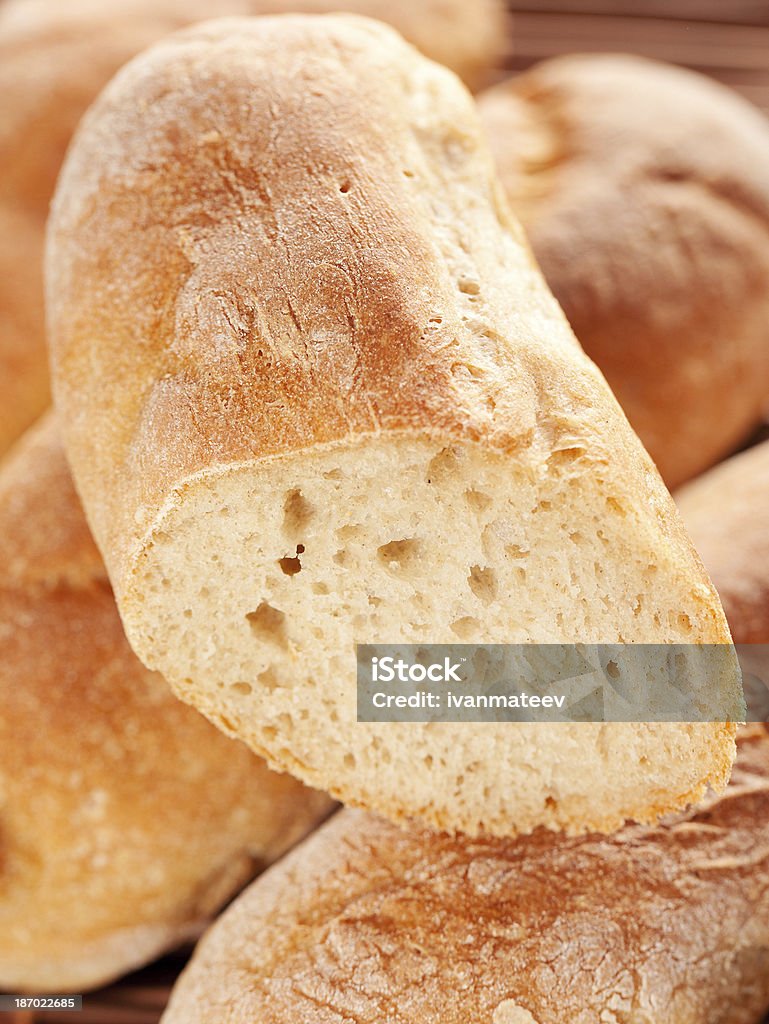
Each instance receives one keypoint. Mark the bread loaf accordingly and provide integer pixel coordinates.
(364, 922)
(55, 58)
(314, 389)
(727, 513)
(644, 193)
(126, 820)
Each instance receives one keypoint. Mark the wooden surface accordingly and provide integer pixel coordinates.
(138, 999)
(728, 39)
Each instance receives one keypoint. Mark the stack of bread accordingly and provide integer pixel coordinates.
(313, 390)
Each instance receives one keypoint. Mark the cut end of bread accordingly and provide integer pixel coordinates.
(258, 581)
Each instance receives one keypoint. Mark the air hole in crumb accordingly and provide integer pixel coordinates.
(333, 474)
(349, 760)
(565, 456)
(684, 622)
(350, 532)
(269, 679)
(551, 803)
(466, 628)
(320, 588)
(345, 187)
(612, 670)
(268, 623)
(226, 723)
(290, 564)
(340, 557)
(515, 551)
(399, 555)
(483, 583)
(477, 500)
(297, 513)
(245, 689)
(468, 287)
(407, 173)
(443, 465)
(616, 506)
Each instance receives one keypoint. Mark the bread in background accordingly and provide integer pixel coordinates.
(126, 819)
(645, 194)
(313, 388)
(727, 514)
(56, 56)
(368, 923)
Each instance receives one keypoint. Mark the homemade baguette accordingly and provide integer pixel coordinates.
(366, 923)
(55, 57)
(316, 392)
(127, 820)
(644, 192)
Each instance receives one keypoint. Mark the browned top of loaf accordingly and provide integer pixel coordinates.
(727, 514)
(644, 192)
(366, 923)
(56, 57)
(283, 233)
(121, 807)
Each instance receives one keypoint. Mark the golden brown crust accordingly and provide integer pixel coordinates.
(127, 820)
(727, 514)
(253, 286)
(366, 923)
(54, 60)
(642, 189)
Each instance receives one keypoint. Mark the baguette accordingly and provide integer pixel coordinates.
(314, 389)
(366, 923)
(127, 820)
(55, 58)
(644, 193)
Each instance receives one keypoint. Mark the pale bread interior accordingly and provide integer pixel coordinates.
(259, 580)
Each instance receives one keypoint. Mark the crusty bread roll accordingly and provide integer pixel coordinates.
(315, 389)
(644, 192)
(55, 57)
(727, 513)
(126, 819)
(364, 922)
